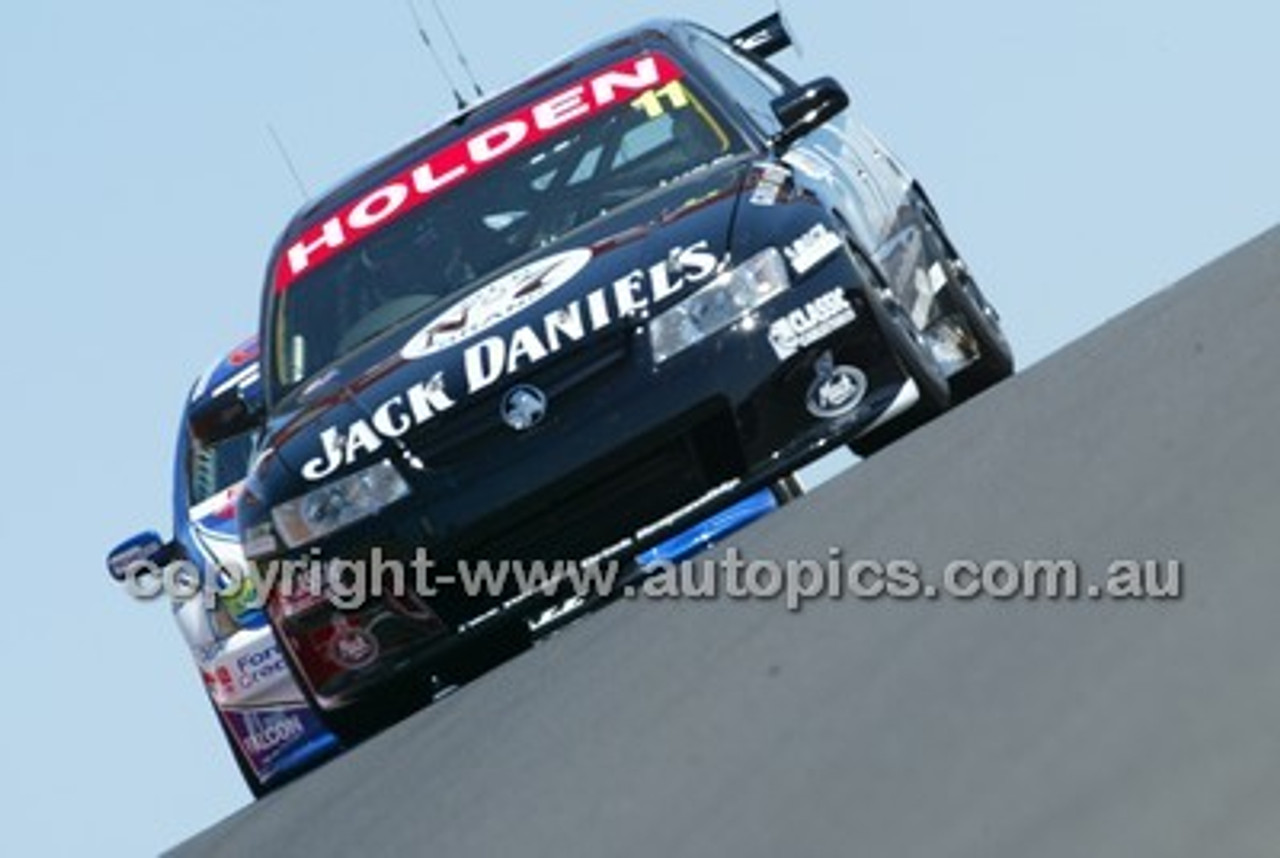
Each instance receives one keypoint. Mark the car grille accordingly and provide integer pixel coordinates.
(593, 510)
(460, 438)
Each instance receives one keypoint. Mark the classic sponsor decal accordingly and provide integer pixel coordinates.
(525, 127)
(806, 325)
(497, 301)
(835, 390)
(486, 361)
(811, 248)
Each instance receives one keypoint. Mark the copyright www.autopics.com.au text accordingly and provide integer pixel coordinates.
(349, 583)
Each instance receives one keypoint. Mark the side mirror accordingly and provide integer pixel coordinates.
(806, 108)
(223, 416)
(146, 547)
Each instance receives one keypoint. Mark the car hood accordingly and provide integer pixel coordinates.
(592, 285)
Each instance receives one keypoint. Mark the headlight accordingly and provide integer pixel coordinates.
(718, 305)
(338, 504)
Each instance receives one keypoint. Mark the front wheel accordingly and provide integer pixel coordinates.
(995, 357)
(962, 297)
(918, 363)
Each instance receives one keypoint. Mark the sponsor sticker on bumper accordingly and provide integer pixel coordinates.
(836, 390)
(806, 325)
(812, 248)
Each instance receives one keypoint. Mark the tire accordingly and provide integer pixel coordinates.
(995, 357)
(918, 364)
(963, 297)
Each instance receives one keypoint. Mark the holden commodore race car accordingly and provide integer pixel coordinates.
(634, 289)
(272, 731)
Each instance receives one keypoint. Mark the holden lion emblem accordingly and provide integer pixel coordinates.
(523, 407)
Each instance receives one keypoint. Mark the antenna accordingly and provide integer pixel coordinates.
(453, 40)
(288, 162)
(426, 40)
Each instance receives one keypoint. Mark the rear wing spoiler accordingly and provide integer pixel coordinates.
(765, 37)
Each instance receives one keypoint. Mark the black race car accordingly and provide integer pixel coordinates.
(637, 287)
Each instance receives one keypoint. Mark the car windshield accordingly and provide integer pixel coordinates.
(214, 467)
(515, 186)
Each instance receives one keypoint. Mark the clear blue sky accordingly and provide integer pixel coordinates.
(1084, 154)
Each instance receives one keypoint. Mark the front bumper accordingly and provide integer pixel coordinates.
(623, 445)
